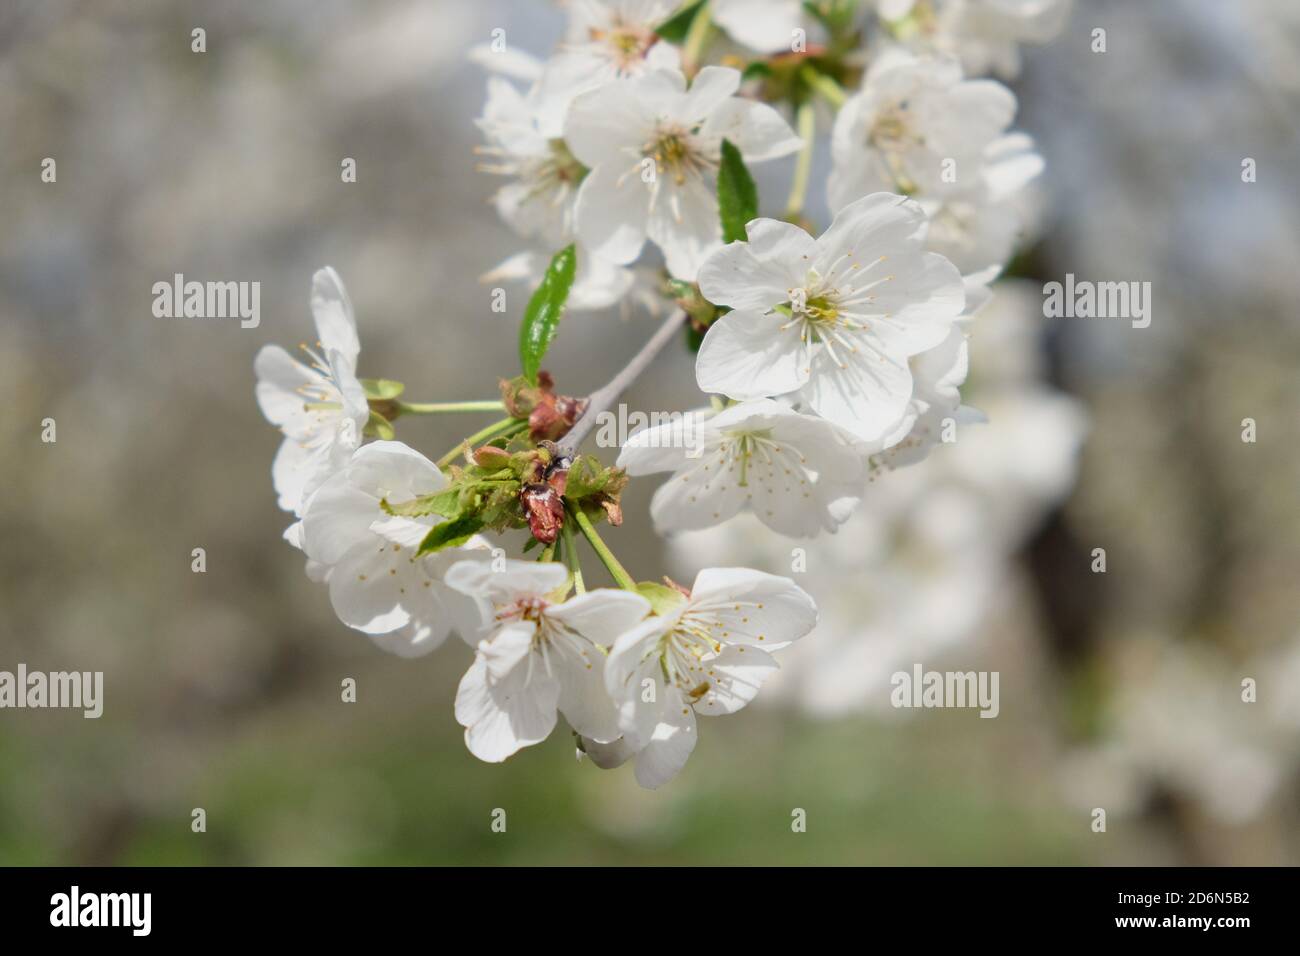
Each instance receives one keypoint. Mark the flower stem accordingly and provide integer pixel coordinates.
(830, 91)
(806, 118)
(505, 427)
(697, 38)
(571, 557)
(600, 400)
(437, 408)
(616, 570)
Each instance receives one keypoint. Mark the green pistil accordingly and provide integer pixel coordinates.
(821, 310)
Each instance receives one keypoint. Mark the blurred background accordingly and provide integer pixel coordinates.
(1119, 690)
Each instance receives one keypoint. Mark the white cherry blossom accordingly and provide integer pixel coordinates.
(916, 127)
(767, 26)
(321, 407)
(979, 228)
(542, 655)
(832, 320)
(707, 655)
(984, 34)
(935, 407)
(797, 473)
(544, 176)
(606, 40)
(377, 584)
(653, 149)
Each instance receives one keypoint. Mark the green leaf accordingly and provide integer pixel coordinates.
(675, 28)
(586, 477)
(737, 195)
(444, 503)
(756, 69)
(379, 427)
(663, 599)
(545, 308)
(450, 534)
(382, 388)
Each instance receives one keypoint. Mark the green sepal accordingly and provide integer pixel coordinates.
(377, 426)
(381, 389)
(663, 599)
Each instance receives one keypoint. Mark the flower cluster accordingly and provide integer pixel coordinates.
(828, 354)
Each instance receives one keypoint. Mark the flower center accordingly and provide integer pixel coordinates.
(627, 43)
(891, 128)
(522, 609)
(742, 445)
(675, 153)
(820, 309)
(683, 657)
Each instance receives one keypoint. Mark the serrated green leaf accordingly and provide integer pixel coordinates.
(737, 194)
(382, 388)
(445, 503)
(675, 28)
(545, 309)
(663, 599)
(450, 534)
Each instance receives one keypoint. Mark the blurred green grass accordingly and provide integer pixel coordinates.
(387, 780)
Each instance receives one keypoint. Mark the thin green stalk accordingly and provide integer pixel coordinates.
(437, 408)
(697, 38)
(616, 570)
(571, 557)
(503, 428)
(829, 90)
(806, 120)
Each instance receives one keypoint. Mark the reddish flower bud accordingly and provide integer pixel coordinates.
(545, 511)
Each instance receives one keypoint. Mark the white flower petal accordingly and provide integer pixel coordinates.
(710, 88)
(684, 223)
(865, 396)
(502, 714)
(756, 129)
(607, 756)
(415, 640)
(632, 673)
(746, 355)
(518, 579)
(700, 496)
(736, 277)
(583, 700)
(879, 224)
(336, 326)
(611, 213)
(367, 586)
(602, 615)
(279, 382)
(664, 447)
(753, 608)
(735, 677)
(668, 749)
